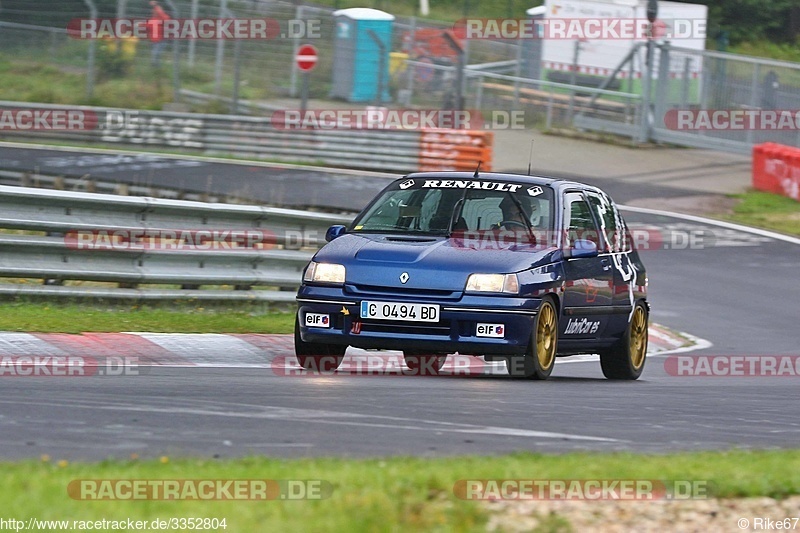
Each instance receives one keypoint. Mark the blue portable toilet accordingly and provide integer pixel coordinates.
(360, 66)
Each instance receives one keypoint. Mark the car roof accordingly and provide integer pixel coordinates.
(556, 183)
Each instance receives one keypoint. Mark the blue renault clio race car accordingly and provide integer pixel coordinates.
(504, 266)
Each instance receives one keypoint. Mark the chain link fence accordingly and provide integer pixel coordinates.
(715, 82)
(255, 70)
(424, 71)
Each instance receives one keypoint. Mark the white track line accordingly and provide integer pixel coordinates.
(713, 222)
(305, 416)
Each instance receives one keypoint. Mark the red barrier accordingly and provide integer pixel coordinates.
(444, 150)
(776, 169)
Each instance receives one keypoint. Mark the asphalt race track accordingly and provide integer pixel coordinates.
(263, 182)
(737, 291)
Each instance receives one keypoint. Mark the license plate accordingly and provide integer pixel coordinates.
(398, 311)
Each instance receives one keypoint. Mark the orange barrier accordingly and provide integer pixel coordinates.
(776, 169)
(443, 150)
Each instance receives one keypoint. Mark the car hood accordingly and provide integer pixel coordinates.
(432, 263)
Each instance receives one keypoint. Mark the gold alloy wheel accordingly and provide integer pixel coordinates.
(638, 337)
(546, 336)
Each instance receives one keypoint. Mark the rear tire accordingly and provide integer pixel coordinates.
(540, 357)
(626, 358)
(424, 364)
(316, 356)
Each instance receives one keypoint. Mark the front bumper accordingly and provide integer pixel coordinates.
(456, 330)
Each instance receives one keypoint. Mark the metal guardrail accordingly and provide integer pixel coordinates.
(93, 184)
(238, 107)
(256, 137)
(237, 273)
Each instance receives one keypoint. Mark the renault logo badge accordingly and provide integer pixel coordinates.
(404, 277)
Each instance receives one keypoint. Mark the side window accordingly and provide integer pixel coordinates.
(606, 217)
(578, 220)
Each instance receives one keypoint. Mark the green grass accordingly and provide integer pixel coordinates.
(32, 81)
(48, 317)
(767, 210)
(782, 51)
(398, 493)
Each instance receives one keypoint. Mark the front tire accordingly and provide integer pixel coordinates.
(626, 358)
(540, 358)
(316, 356)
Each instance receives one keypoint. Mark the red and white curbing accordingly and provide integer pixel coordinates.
(230, 350)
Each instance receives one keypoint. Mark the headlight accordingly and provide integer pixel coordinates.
(507, 283)
(324, 273)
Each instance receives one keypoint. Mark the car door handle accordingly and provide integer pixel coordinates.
(606, 264)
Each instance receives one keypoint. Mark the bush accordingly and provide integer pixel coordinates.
(115, 57)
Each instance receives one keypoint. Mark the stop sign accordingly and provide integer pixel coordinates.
(306, 57)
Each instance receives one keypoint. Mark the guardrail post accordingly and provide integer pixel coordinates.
(192, 41)
(237, 67)
(479, 93)
(223, 10)
(411, 69)
(754, 100)
(176, 57)
(381, 64)
(687, 62)
(120, 15)
(644, 124)
(459, 69)
(660, 104)
(295, 45)
(518, 68)
(90, 59)
(573, 80)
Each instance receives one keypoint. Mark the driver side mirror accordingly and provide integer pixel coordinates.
(581, 249)
(334, 232)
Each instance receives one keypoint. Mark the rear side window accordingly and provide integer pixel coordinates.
(612, 226)
(605, 217)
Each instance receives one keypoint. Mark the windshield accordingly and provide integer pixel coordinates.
(441, 207)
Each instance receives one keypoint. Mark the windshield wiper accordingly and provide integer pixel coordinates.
(525, 218)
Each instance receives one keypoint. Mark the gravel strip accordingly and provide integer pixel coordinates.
(617, 516)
